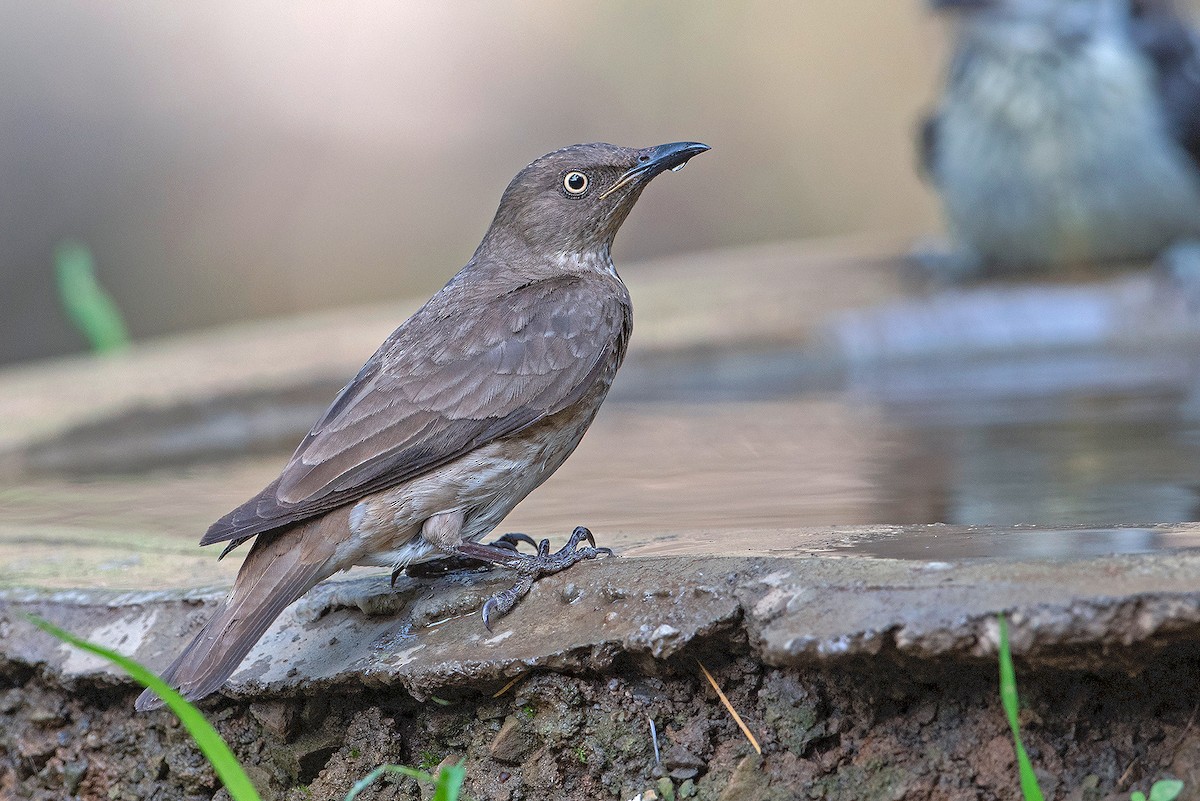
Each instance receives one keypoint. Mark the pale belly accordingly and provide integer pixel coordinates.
(484, 485)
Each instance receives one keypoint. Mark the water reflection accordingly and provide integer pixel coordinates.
(758, 453)
(937, 546)
(808, 462)
(1064, 472)
(1099, 443)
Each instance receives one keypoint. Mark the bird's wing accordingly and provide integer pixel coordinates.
(1173, 49)
(446, 382)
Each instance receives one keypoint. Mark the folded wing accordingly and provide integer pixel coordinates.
(446, 382)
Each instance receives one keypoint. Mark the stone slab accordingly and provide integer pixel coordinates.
(425, 636)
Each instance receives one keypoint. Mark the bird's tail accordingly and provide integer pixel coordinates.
(278, 570)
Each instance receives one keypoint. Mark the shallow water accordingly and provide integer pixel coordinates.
(806, 462)
(772, 441)
(743, 454)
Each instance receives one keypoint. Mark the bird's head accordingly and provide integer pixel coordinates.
(574, 199)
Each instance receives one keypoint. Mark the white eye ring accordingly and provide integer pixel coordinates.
(575, 182)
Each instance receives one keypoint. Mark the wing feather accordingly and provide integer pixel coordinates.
(452, 378)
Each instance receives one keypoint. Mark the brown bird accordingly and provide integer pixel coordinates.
(466, 408)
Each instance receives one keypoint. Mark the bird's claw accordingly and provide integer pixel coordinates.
(512, 539)
(532, 568)
(502, 603)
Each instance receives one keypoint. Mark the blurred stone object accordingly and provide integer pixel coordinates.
(1068, 133)
(1133, 312)
(970, 323)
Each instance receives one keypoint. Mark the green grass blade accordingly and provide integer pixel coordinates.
(450, 780)
(90, 308)
(206, 737)
(447, 785)
(1008, 698)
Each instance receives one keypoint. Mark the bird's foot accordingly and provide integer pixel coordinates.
(531, 568)
(459, 563)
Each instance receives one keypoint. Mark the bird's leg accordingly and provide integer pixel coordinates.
(444, 531)
(457, 563)
(529, 568)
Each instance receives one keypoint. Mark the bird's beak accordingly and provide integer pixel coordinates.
(654, 160)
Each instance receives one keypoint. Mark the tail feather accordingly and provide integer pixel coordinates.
(278, 570)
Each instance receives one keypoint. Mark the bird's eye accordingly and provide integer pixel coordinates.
(575, 182)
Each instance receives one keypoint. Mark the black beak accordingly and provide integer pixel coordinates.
(654, 160)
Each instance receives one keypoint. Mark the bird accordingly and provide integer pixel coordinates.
(463, 410)
(1067, 133)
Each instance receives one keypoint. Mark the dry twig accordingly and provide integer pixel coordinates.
(736, 717)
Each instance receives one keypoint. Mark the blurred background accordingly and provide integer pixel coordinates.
(229, 160)
(278, 184)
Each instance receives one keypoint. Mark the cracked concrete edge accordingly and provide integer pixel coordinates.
(426, 636)
(1098, 613)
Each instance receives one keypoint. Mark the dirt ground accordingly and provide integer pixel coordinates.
(879, 728)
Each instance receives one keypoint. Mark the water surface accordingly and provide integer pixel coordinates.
(739, 454)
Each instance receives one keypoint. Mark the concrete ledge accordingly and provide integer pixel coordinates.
(426, 636)
(863, 677)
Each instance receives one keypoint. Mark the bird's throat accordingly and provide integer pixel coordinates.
(588, 262)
